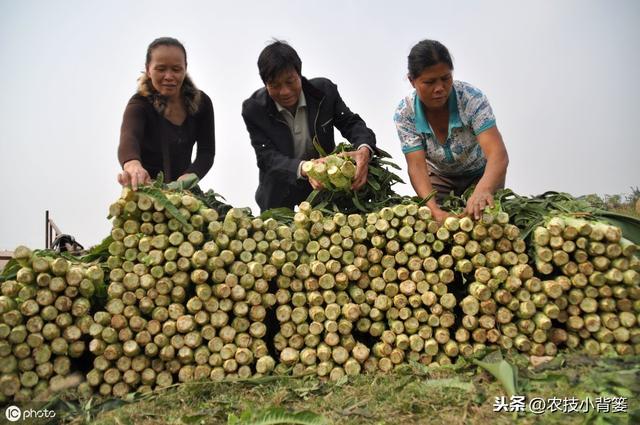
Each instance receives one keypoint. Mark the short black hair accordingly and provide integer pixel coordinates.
(164, 41)
(425, 54)
(276, 58)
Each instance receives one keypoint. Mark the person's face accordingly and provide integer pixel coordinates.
(433, 85)
(167, 70)
(285, 88)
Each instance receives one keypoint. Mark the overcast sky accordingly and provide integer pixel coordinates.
(562, 77)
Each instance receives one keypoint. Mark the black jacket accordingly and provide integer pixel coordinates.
(272, 140)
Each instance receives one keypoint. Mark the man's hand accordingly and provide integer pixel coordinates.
(133, 174)
(361, 156)
(315, 184)
(476, 204)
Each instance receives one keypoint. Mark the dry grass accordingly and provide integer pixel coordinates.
(462, 394)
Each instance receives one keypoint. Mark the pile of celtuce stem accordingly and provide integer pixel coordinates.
(45, 319)
(598, 272)
(192, 295)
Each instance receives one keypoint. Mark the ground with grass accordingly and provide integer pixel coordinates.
(463, 393)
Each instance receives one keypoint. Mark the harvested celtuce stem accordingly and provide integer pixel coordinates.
(192, 301)
(335, 172)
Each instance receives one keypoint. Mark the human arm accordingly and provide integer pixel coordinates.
(354, 129)
(206, 140)
(361, 156)
(495, 171)
(476, 107)
(131, 135)
(133, 174)
(418, 170)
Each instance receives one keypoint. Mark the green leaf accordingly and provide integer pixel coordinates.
(430, 196)
(130, 397)
(99, 252)
(342, 380)
(382, 154)
(313, 196)
(357, 203)
(396, 177)
(159, 196)
(316, 144)
(374, 184)
(378, 172)
(275, 416)
(175, 186)
(390, 164)
(159, 182)
(283, 215)
(10, 270)
(321, 205)
(504, 372)
(190, 180)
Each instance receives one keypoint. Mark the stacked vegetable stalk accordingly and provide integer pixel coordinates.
(186, 299)
(385, 275)
(192, 295)
(45, 313)
(315, 311)
(507, 305)
(396, 282)
(596, 277)
(407, 296)
(488, 254)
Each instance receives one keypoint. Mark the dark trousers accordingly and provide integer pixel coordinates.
(447, 184)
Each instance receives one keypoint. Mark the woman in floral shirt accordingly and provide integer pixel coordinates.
(448, 133)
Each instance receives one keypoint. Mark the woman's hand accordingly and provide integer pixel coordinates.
(189, 180)
(133, 174)
(480, 199)
(492, 146)
(361, 156)
(439, 215)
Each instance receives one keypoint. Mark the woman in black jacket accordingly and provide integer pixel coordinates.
(165, 119)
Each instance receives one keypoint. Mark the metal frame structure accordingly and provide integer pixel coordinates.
(51, 231)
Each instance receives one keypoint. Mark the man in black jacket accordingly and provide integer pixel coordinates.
(284, 117)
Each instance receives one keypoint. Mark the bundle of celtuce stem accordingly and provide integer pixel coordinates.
(194, 295)
(186, 301)
(335, 172)
(45, 318)
(597, 270)
(376, 193)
